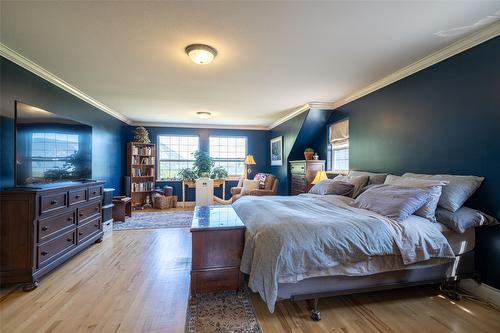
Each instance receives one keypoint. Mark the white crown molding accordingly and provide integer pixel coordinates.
(38, 70)
(308, 106)
(487, 33)
(208, 126)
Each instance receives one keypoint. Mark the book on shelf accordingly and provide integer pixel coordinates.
(142, 186)
(142, 151)
(138, 172)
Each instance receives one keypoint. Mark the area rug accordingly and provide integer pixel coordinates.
(227, 312)
(155, 220)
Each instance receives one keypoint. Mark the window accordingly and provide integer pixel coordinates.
(339, 145)
(52, 151)
(175, 153)
(229, 152)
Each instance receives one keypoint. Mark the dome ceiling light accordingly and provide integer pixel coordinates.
(201, 54)
(204, 114)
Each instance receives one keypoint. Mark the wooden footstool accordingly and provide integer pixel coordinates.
(122, 208)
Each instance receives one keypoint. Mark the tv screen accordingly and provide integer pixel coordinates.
(50, 148)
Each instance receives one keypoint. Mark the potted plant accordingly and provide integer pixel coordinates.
(308, 153)
(219, 173)
(203, 163)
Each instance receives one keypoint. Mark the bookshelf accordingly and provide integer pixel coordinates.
(141, 163)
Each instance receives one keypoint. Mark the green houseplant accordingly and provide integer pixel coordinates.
(219, 173)
(203, 163)
(187, 174)
(308, 153)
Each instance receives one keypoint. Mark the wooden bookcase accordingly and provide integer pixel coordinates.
(141, 165)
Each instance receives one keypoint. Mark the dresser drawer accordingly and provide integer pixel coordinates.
(55, 247)
(88, 230)
(50, 226)
(216, 280)
(88, 211)
(298, 168)
(77, 196)
(95, 191)
(52, 202)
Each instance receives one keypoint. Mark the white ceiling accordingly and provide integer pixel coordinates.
(273, 56)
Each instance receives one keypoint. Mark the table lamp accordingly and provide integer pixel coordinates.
(249, 160)
(320, 175)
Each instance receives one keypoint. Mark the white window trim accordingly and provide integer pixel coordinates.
(230, 159)
(158, 159)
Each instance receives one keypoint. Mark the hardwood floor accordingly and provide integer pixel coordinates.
(134, 281)
(138, 281)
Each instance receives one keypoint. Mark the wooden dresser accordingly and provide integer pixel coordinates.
(218, 239)
(303, 173)
(41, 227)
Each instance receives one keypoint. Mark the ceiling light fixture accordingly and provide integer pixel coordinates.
(201, 54)
(204, 114)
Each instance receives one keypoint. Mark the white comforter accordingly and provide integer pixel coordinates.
(292, 238)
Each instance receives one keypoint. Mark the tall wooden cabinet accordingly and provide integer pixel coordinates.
(141, 163)
(303, 173)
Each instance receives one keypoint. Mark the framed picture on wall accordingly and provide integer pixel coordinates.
(277, 151)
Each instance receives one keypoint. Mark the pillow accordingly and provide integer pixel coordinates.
(428, 210)
(463, 219)
(358, 182)
(394, 202)
(373, 178)
(332, 187)
(458, 190)
(262, 178)
(249, 186)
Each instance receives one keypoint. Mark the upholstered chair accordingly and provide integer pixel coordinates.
(268, 186)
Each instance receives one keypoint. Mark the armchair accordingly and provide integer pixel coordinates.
(269, 186)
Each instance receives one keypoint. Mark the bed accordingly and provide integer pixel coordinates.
(312, 246)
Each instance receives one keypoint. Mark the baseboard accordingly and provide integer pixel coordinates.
(482, 290)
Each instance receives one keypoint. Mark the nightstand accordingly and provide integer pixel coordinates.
(218, 237)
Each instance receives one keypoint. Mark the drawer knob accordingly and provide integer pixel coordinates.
(96, 225)
(53, 202)
(44, 253)
(70, 219)
(77, 196)
(45, 228)
(80, 233)
(69, 239)
(96, 208)
(81, 214)
(94, 192)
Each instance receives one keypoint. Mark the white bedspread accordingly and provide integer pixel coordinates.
(292, 238)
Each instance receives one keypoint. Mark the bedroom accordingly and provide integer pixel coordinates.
(417, 81)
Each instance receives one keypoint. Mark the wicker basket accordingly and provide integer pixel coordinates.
(163, 202)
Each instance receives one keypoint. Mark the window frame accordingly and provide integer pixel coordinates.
(159, 159)
(332, 150)
(242, 160)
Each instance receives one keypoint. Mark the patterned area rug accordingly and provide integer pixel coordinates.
(227, 312)
(155, 220)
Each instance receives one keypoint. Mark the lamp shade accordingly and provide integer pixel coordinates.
(249, 160)
(320, 175)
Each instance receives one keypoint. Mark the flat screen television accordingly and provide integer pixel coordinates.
(50, 148)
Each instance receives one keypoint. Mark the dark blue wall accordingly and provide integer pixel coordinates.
(257, 145)
(108, 133)
(444, 119)
(305, 130)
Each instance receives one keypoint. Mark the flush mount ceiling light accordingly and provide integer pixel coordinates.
(203, 114)
(201, 54)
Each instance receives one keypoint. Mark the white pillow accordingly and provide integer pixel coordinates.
(458, 190)
(428, 210)
(249, 185)
(359, 182)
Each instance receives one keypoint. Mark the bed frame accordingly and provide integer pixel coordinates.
(447, 274)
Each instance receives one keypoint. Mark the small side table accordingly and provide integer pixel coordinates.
(122, 207)
(218, 239)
